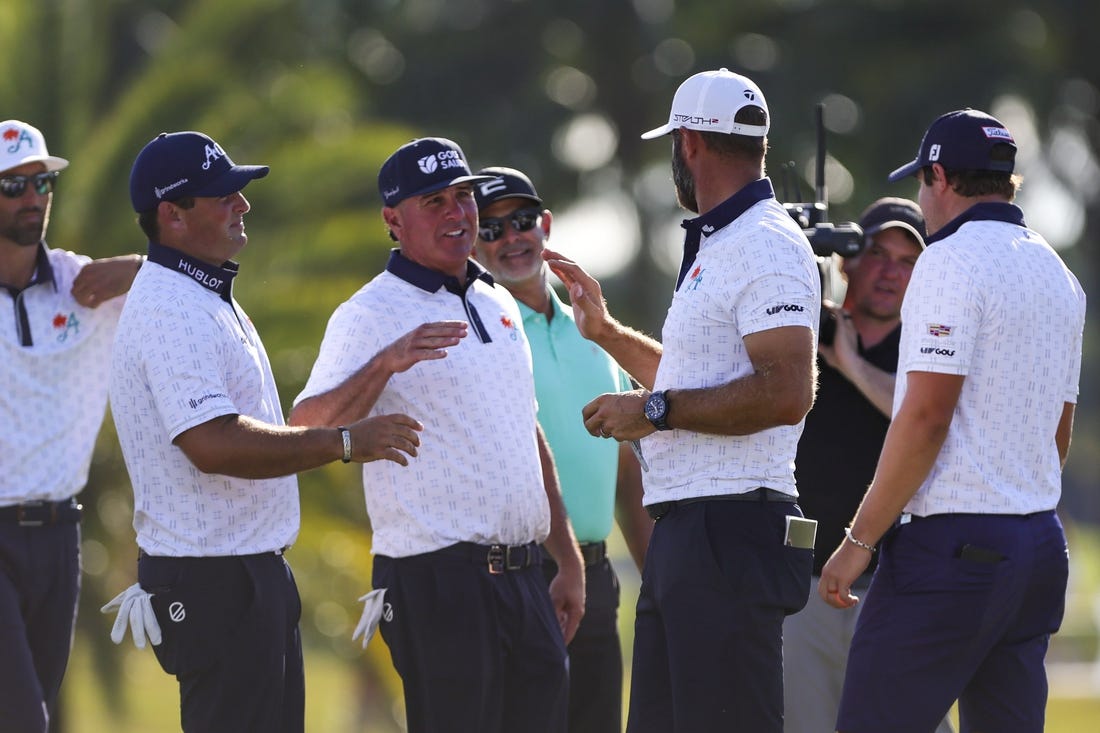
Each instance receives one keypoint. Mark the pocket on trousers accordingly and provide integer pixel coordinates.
(921, 564)
(200, 603)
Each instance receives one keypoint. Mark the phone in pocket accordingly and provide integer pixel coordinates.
(975, 553)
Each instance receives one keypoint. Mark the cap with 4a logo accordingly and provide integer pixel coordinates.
(21, 143)
(175, 165)
(422, 166)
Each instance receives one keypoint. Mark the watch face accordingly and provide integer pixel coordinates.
(655, 406)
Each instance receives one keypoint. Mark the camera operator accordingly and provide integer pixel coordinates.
(841, 442)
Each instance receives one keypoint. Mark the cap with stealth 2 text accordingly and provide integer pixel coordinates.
(961, 141)
(710, 100)
(422, 166)
(175, 165)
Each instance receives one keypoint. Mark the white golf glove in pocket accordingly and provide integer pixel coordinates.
(135, 609)
(373, 605)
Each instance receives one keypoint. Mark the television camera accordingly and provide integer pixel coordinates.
(844, 239)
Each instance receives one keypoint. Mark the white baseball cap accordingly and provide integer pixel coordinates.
(710, 100)
(21, 143)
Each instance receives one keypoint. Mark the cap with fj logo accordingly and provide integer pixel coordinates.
(961, 141)
(422, 166)
(176, 165)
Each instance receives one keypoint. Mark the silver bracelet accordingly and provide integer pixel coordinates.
(345, 435)
(858, 543)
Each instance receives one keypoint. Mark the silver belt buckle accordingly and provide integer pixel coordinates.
(497, 559)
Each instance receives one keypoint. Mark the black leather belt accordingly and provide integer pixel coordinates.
(498, 558)
(761, 494)
(41, 513)
(593, 552)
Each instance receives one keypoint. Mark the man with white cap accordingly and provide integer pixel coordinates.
(974, 566)
(477, 638)
(210, 458)
(841, 443)
(731, 554)
(61, 311)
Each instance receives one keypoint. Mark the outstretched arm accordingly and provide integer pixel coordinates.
(635, 352)
(103, 279)
(356, 396)
(238, 445)
(779, 391)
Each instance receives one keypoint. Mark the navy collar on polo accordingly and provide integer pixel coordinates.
(431, 281)
(985, 211)
(42, 275)
(719, 217)
(215, 279)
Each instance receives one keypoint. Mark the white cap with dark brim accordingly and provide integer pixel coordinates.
(709, 101)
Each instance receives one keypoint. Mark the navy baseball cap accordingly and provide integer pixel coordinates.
(175, 165)
(504, 183)
(890, 212)
(961, 141)
(422, 166)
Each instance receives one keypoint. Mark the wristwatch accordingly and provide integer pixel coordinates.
(656, 410)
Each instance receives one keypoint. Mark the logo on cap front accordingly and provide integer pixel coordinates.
(488, 188)
(428, 164)
(212, 152)
(443, 159)
(19, 136)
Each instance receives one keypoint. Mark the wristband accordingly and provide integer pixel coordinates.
(345, 435)
(858, 543)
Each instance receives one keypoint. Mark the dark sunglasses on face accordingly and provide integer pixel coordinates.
(13, 187)
(522, 220)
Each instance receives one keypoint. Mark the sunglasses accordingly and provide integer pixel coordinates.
(522, 220)
(12, 187)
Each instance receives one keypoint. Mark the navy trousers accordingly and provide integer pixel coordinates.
(231, 638)
(708, 642)
(476, 651)
(961, 607)
(595, 654)
(39, 585)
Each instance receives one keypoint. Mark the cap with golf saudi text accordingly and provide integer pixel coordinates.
(21, 143)
(710, 100)
(422, 166)
(504, 183)
(962, 141)
(175, 165)
(891, 212)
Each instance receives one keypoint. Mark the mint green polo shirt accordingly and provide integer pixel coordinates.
(570, 371)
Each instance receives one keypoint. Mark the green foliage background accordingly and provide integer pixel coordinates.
(324, 90)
